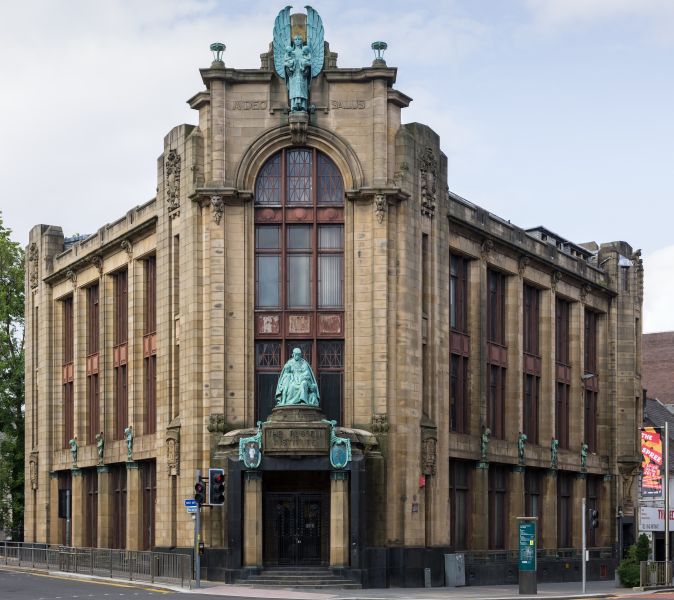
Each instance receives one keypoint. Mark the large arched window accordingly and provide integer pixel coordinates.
(299, 273)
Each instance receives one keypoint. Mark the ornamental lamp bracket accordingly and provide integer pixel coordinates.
(218, 48)
(379, 49)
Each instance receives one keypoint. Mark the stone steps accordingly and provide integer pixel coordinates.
(299, 577)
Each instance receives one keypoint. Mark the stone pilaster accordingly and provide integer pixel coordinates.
(480, 524)
(104, 508)
(252, 519)
(78, 511)
(134, 524)
(53, 533)
(549, 511)
(339, 519)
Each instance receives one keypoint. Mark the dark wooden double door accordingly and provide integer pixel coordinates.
(296, 528)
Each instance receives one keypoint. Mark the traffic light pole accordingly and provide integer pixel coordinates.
(584, 539)
(197, 533)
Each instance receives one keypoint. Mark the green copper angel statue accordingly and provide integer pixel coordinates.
(296, 62)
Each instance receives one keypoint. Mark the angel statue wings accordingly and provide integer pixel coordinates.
(295, 61)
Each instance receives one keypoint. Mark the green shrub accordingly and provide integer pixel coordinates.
(628, 570)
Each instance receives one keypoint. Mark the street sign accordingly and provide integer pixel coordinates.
(527, 531)
(191, 505)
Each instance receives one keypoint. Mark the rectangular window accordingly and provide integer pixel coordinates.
(458, 293)
(564, 510)
(532, 386)
(496, 401)
(531, 318)
(148, 476)
(330, 266)
(562, 414)
(498, 513)
(68, 372)
(590, 341)
(150, 347)
(150, 389)
(299, 280)
(458, 394)
(459, 503)
(92, 320)
(120, 350)
(532, 499)
(330, 377)
(91, 508)
(591, 420)
(267, 369)
(562, 310)
(93, 408)
(496, 283)
(118, 489)
(65, 504)
(121, 402)
(592, 487)
(121, 320)
(150, 308)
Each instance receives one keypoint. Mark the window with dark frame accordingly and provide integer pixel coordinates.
(150, 346)
(92, 364)
(532, 385)
(459, 503)
(563, 371)
(532, 499)
(591, 419)
(458, 293)
(498, 510)
(496, 283)
(148, 476)
(299, 273)
(459, 400)
(590, 362)
(531, 320)
(564, 510)
(591, 383)
(120, 354)
(562, 413)
(91, 508)
(592, 488)
(68, 371)
(496, 401)
(459, 417)
(118, 516)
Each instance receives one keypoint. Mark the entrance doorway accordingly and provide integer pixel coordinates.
(296, 519)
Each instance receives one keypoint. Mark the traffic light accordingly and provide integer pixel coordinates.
(216, 486)
(594, 519)
(200, 491)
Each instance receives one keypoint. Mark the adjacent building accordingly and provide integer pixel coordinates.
(426, 319)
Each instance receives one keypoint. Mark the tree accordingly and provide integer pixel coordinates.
(629, 569)
(11, 384)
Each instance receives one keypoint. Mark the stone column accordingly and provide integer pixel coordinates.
(516, 506)
(78, 510)
(134, 498)
(104, 508)
(339, 519)
(480, 524)
(549, 510)
(252, 519)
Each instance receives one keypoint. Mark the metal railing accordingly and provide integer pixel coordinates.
(513, 555)
(654, 573)
(159, 567)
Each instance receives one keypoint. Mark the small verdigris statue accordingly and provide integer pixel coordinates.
(73, 451)
(484, 443)
(521, 446)
(554, 444)
(296, 383)
(100, 447)
(583, 455)
(128, 436)
(296, 60)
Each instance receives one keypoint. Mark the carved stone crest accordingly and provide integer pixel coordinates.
(173, 447)
(33, 265)
(428, 181)
(33, 470)
(379, 424)
(429, 455)
(172, 171)
(218, 206)
(380, 207)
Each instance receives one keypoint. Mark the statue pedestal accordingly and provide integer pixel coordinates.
(296, 430)
(296, 413)
(298, 122)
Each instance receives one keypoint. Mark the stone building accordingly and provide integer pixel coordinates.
(426, 319)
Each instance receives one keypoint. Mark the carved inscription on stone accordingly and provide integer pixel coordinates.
(249, 105)
(295, 440)
(347, 104)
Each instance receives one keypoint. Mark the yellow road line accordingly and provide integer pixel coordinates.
(85, 580)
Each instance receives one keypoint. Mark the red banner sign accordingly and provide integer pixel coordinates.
(651, 462)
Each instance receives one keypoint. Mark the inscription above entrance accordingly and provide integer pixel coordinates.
(284, 439)
(249, 105)
(347, 104)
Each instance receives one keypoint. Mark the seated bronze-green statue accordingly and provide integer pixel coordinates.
(296, 383)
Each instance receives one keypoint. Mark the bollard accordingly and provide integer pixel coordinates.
(427, 577)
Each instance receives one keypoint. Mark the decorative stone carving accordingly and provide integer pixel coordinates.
(173, 447)
(428, 181)
(33, 470)
(340, 447)
(172, 172)
(73, 451)
(380, 204)
(429, 456)
(379, 424)
(485, 249)
(521, 447)
(522, 265)
(555, 278)
(217, 423)
(400, 176)
(97, 261)
(33, 265)
(72, 275)
(584, 291)
(484, 444)
(218, 206)
(250, 449)
(298, 128)
(127, 246)
(128, 436)
(583, 455)
(554, 445)
(100, 448)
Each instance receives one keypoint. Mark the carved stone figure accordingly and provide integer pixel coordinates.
(521, 446)
(33, 265)
(128, 436)
(100, 447)
(33, 470)
(484, 443)
(429, 456)
(172, 172)
(583, 455)
(554, 444)
(296, 383)
(296, 62)
(73, 451)
(428, 181)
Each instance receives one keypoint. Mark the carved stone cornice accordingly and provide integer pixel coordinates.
(229, 196)
(367, 194)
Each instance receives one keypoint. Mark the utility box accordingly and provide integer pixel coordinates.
(455, 570)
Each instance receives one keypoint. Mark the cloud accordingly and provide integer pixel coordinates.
(659, 290)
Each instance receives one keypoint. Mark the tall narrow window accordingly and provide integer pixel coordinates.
(299, 273)
(564, 510)
(93, 404)
(496, 369)
(458, 293)
(458, 394)
(149, 489)
(590, 379)
(118, 517)
(459, 503)
(496, 401)
(91, 508)
(496, 307)
(120, 354)
(532, 499)
(531, 319)
(592, 494)
(150, 345)
(498, 514)
(531, 403)
(459, 417)
(562, 371)
(68, 371)
(531, 360)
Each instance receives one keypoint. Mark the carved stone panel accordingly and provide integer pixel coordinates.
(33, 265)
(428, 167)
(172, 173)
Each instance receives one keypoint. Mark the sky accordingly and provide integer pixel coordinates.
(551, 112)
